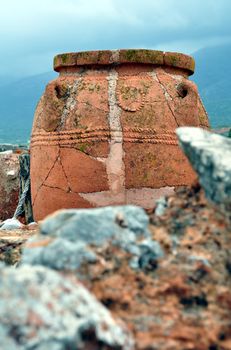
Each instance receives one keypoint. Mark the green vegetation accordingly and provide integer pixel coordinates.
(82, 147)
(131, 55)
(64, 58)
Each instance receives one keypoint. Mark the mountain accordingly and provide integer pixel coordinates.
(213, 78)
(18, 99)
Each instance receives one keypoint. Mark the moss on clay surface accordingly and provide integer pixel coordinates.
(82, 147)
(173, 60)
(141, 56)
(128, 93)
(144, 118)
(130, 55)
(94, 87)
(64, 58)
(107, 57)
(203, 119)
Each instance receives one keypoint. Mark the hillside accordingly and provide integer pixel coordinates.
(213, 72)
(18, 100)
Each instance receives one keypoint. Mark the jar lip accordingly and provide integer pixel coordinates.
(117, 57)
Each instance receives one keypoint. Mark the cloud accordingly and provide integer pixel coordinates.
(32, 31)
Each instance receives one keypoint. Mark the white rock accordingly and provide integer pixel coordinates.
(11, 224)
(11, 173)
(6, 152)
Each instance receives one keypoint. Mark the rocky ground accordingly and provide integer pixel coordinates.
(11, 243)
(183, 301)
(179, 301)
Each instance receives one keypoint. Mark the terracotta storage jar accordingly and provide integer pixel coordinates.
(103, 131)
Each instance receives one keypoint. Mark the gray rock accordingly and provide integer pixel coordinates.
(210, 156)
(59, 254)
(40, 309)
(72, 235)
(96, 225)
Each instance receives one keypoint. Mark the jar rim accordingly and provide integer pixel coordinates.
(124, 56)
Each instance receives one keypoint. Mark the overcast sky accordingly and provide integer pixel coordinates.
(33, 31)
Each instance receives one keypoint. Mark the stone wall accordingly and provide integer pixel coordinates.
(9, 183)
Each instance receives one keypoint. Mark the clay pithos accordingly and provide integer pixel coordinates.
(104, 130)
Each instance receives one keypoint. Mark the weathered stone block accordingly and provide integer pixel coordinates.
(9, 184)
(41, 309)
(70, 238)
(210, 156)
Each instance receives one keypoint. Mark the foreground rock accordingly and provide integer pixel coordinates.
(40, 309)
(77, 236)
(178, 300)
(210, 155)
(9, 184)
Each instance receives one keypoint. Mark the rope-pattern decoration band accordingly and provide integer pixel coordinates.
(78, 136)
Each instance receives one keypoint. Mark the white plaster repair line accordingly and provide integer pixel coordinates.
(99, 159)
(177, 77)
(115, 165)
(168, 97)
(115, 56)
(144, 197)
(155, 77)
(71, 101)
(70, 74)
